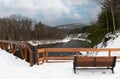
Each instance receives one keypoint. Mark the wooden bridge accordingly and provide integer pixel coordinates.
(23, 47)
(39, 56)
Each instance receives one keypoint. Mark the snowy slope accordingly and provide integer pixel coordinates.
(15, 68)
(113, 43)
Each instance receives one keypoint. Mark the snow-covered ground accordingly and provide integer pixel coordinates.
(112, 43)
(12, 67)
(41, 42)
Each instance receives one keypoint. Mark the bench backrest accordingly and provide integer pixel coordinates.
(85, 61)
(94, 61)
(104, 61)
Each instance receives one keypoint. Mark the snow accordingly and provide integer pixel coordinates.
(65, 40)
(41, 42)
(114, 43)
(12, 67)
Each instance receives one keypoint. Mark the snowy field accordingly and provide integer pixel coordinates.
(12, 67)
(15, 68)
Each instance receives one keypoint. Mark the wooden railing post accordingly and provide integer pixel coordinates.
(46, 56)
(30, 53)
(42, 58)
(0, 44)
(26, 53)
(77, 53)
(109, 53)
(21, 52)
(37, 55)
(13, 48)
(3, 46)
(6, 46)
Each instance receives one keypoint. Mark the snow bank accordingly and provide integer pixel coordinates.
(114, 43)
(67, 39)
(8, 60)
(41, 42)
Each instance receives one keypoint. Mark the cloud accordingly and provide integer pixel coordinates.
(75, 2)
(53, 12)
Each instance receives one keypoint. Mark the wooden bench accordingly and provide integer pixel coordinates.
(108, 62)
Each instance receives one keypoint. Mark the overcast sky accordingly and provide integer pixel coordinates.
(52, 12)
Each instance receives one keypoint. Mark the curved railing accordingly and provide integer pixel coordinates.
(42, 55)
(23, 47)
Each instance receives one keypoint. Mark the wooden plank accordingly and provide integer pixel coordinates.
(40, 50)
(40, 59)
(109, 53)
(46, 57)
(12, 48)
(21, 52)
(78, 49)
(26, 53)
(6, 46)
(77, 53)
(22, 43)
(60, 49)
(60, 58)
(118, 57)
(0, 44)
(30, 53)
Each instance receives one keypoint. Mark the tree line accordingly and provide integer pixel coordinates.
(108, 21)
(17, 27)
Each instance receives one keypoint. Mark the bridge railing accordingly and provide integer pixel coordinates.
(42, 54)
(24, 48)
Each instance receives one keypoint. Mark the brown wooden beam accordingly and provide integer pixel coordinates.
(21, 52)
(13, 48)
(26, 53)
(30, 53)
(0, 44)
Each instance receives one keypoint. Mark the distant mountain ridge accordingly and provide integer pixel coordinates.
(70, 26)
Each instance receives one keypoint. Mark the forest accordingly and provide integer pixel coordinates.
(17, 27)
(108, 21)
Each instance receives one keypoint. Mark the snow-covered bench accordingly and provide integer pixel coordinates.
(108, 62)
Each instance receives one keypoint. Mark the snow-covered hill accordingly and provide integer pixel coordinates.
(12, 67)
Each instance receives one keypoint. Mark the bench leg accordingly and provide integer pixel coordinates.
(74, 70)
(112, 70)
(108, 67)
